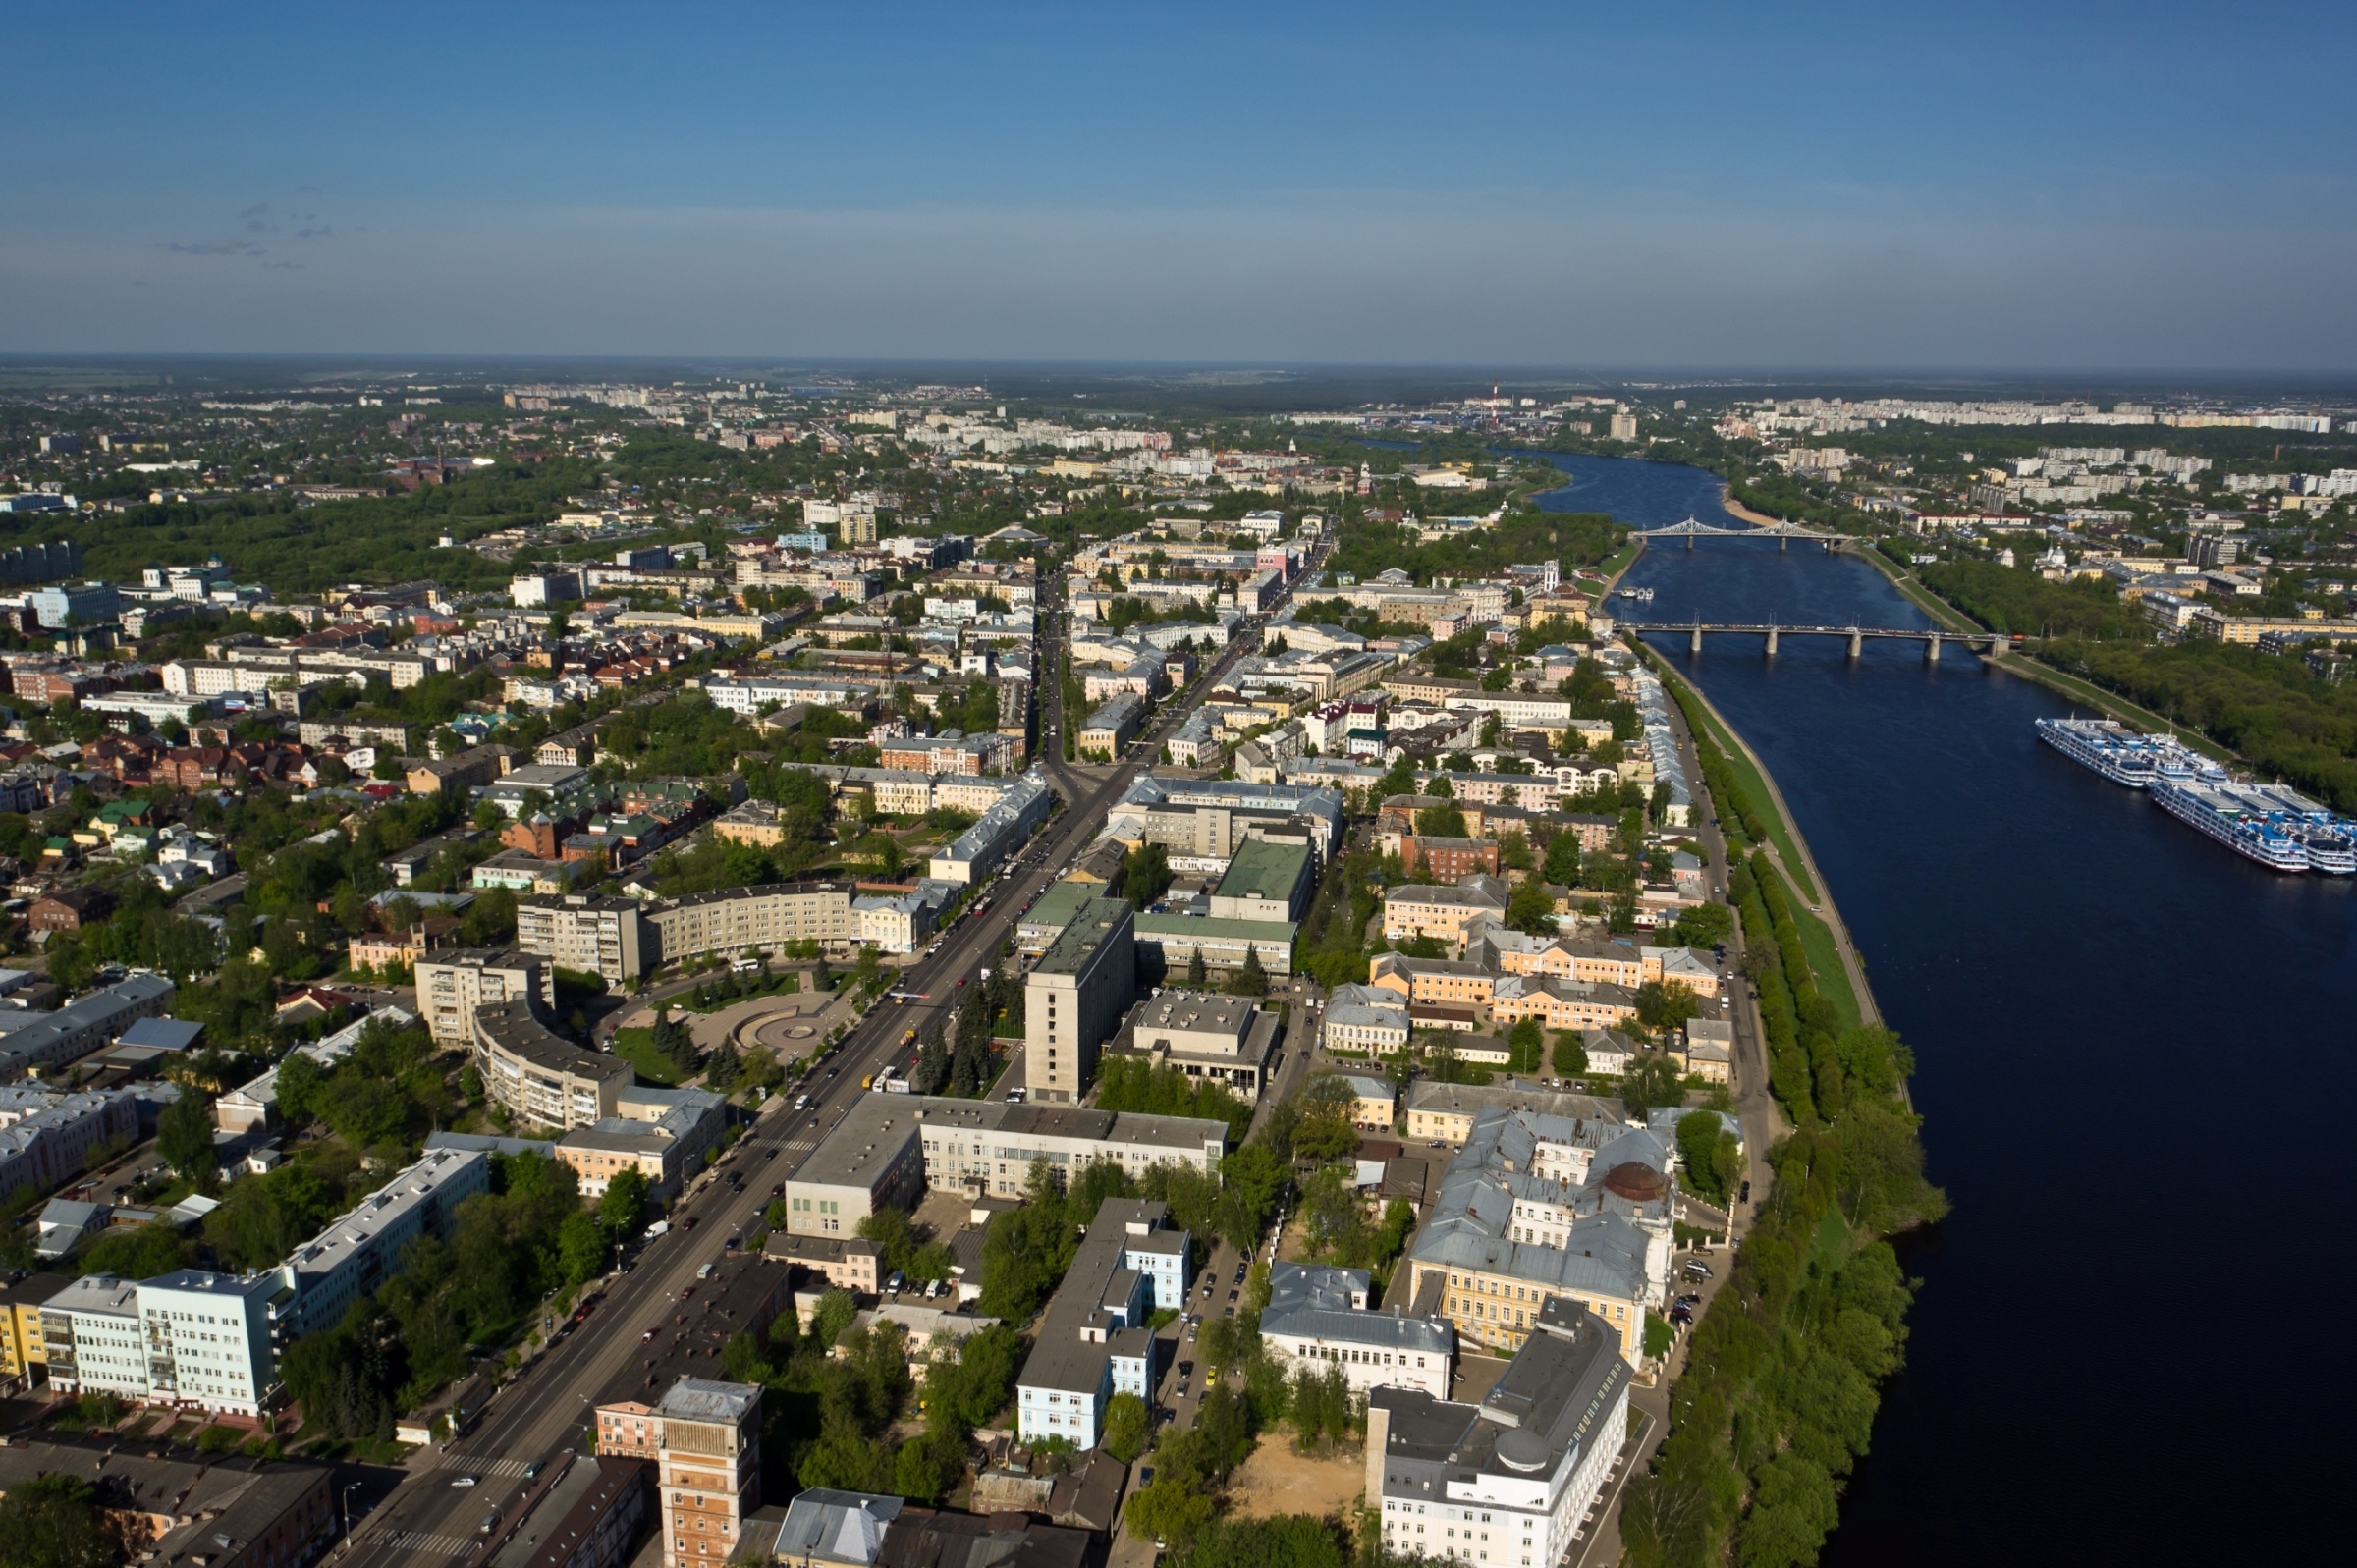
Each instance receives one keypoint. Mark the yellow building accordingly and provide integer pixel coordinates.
(21, 1348)
(1494, 1311)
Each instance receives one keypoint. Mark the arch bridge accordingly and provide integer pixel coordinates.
(1783, 533)
(1991, 643)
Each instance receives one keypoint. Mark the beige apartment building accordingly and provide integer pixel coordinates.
(543, 1079)
(766, 918)
(452, 986)
(576, 931)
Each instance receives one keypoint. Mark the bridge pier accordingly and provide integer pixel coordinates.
(1771, 642)
(1694, 646)
(1931, 649)
(1689, 541)
(1857, 643)
(1782, 543)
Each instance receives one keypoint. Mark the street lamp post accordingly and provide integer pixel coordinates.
(348, 1492)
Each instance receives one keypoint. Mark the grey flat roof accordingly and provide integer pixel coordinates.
(1565, 1378)
(877, 1127)
(707, 1399)
(511, 1027)
(1090, 925)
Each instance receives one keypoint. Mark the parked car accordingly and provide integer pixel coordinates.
(1696, 1268)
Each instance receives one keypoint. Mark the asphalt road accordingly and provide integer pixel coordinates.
(546, 1408)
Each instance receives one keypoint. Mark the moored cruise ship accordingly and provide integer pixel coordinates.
(2280, 828)
(2106, 745)
(2276, 825)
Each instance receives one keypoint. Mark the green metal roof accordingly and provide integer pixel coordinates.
(1272, 870)
(1058, 905)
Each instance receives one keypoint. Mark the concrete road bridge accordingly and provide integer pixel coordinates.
(1993, 644)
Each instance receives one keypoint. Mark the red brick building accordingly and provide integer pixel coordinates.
(71, 908)
(1448, 859)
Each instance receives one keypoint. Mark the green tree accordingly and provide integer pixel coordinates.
(581, 1247)
(1251, 980)
(1145, 874)
(1445, 821)
(1706, 925)
(1711, 1155)
(1196, 976)
(1525, 1044)
(1325, 1130)
(1530, 907)
(53, 1521)
(1124, 1435)
(1570, 1054)
(835, 1310)
(184, 1137)
(1653, 1079)
(624, 1200)
(1168, 1510)
(1662, 1007)
(916, 1475)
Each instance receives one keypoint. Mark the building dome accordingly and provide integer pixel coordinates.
(1637, 1183)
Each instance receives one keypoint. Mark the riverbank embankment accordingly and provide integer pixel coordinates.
(1824, 936)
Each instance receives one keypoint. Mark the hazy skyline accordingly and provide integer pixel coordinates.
(2002, 187)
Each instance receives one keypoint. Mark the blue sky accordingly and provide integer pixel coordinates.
(1995, 185)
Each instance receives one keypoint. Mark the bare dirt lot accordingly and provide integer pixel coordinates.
(1278, 1480)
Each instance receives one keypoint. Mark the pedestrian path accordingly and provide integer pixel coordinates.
(420, 1541)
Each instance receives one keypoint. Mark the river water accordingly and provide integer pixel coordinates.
(2121, 1350)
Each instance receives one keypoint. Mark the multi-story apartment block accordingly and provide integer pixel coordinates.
(1002, 830)
(47, 1136)
(1449, 982)
(664, 1134)
(767, 918)
(361, 1251)
(1364, 1020)
(1449, 914)
(188, 1338)
(542, 1078)
(23, 1343)
(574, 931)
(453, 985)
(1448, 859)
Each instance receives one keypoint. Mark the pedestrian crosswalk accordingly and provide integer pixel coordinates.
(419, 1541)
(483, 1465)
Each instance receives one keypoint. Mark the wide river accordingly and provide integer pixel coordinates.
(2137, 1061)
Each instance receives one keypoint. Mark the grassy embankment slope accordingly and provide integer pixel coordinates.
(1784, 1379)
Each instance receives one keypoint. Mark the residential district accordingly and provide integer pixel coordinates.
(753, 1022)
